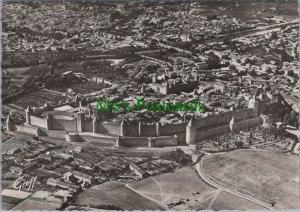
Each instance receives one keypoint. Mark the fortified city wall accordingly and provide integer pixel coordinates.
(243, 125)
(138, 134)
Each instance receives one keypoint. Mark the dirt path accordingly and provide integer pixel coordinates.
(149, 198)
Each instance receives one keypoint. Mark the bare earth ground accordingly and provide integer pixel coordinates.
(226, 201)
(31, 204)
(267, 176)
(120, 197)
(9, 202)
(184, 184)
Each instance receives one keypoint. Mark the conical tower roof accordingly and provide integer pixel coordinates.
(9, 119)
(232, 123)
(191, 122)
(28, 109)
(95, 118)
(232, 108)
(77, 98)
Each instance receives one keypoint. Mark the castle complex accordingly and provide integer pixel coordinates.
(84, 124)
(172, 83)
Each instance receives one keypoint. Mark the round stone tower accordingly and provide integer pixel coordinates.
(122, 128)
(28, 113)
(9, 124)
(191, 132)
(158, 129)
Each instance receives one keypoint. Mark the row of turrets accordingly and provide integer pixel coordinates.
(81, 119)
(191, 129)
(140, 128)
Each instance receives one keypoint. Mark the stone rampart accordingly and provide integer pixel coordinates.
(208, 121)
(37, 121)
(161, 141)
(244, 114)
(138, 134)
(64, 124)
(28, 129)
(110, 128)
(216, 131)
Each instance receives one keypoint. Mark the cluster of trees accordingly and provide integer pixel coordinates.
(7, 87)
(179, 156)
(95, 64)
(57, 81)
(25, 32)
(105, 69)
(122, 52)
(291, 118)
(146, 23)
(213, 61)
(116, 15)
(281, 113)
(211, 17)
(28, 85)
(33, 59)
(141, 74)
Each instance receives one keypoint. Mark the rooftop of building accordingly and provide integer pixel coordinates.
(82, 175)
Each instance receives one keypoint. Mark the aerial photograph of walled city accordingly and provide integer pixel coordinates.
(150, 105)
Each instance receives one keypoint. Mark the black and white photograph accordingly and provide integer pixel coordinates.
(153, 105)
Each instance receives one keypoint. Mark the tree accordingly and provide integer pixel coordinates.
(253, 73)
(226, 57)
(233, 68)
(227, 41)
(269, 70)
(153, 43)
(211, 17)
(213, 61)
(116, 15)
(277, 72)
(248, 60)
(239, 144)
(69, 79)
(274, 35)
(150, 69)
(285, 57)
(294, 119)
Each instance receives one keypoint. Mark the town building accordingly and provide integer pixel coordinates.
(138, 171)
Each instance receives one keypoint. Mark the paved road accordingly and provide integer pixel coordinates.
(217, 186)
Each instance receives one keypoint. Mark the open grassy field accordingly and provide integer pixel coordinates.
(183, 189)
(32, 204)
(267, 176)
(165, 187)
(118, 197)
(224, 198)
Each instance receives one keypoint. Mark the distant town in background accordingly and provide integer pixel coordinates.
(238, 58)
